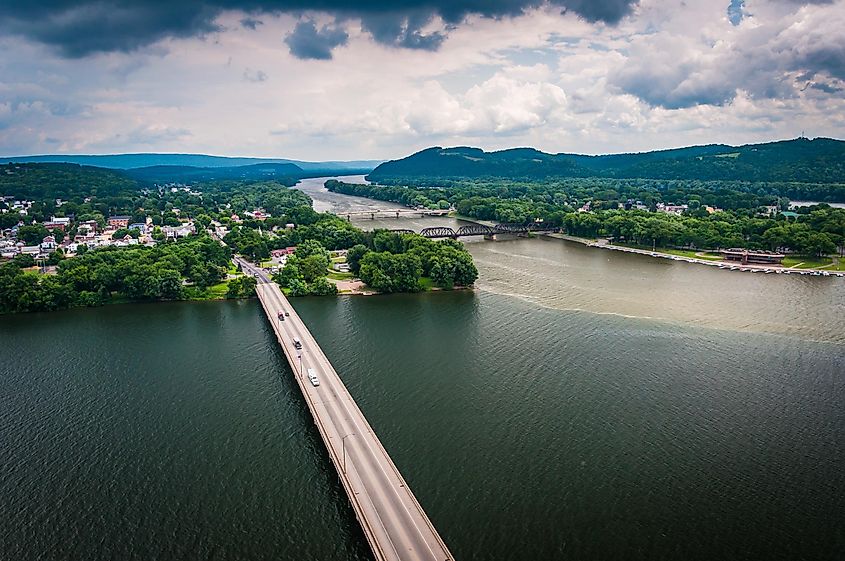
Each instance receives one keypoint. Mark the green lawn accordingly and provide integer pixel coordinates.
(806, 262)
(214, 292)
(426, 283)
(219, 290)
(691, 253)
(337, 275)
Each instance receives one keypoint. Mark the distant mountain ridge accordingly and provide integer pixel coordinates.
(187, 174)
(143, 160)
(821, 160)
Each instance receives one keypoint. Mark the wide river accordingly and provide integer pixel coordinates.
(578, 404)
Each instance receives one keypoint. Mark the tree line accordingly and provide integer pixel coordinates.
(740, 222)
(393, 262)
(108, 274)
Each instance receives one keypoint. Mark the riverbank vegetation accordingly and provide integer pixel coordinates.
(393, 262)
(386, 262)
(306, 270)
(183, 270)
(718, 215)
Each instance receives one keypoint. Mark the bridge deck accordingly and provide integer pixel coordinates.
(393, 521)
(388, 212)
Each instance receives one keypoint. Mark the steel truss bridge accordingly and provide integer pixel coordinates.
(481, 230)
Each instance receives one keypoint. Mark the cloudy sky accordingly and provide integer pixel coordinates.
(334, 79)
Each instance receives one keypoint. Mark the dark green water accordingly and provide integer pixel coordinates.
(173, 431)
(167, 431)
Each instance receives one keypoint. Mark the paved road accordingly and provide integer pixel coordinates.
(394, 523)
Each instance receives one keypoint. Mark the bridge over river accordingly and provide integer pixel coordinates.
(392, 213)
(394, 523)
(477, 229)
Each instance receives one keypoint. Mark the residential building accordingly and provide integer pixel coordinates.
(60, 223)
(671, 209)
(34, 250)
(181, 231)
(118, 222)
(87, 226)
(49, 243)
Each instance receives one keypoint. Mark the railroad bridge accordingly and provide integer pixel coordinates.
(488, 232)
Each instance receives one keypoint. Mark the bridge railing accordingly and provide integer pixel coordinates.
(483, 230)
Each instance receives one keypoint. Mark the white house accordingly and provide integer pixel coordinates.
(48, 243)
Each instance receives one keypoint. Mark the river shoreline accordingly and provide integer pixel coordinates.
(721, 264)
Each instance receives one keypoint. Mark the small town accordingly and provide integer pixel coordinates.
(65, 236)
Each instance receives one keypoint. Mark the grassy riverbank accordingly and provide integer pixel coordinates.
(808, 262)
(691, 253)
(798, 262)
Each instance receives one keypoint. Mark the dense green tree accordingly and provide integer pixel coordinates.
(32, 234)
(387, 272)
(298, 287)
(289, 273)
(313, 267)
(23, 261)
(322, 287)
(55, 257)
(241, 287)
(354, 256)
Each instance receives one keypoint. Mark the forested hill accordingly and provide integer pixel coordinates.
(62, 181)
(130, 161)
(186, 174)
(821, 160)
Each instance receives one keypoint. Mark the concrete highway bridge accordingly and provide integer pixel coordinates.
(392, 213)
(394, 523)
(488, 232)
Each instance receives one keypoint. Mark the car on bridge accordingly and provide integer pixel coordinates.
(297, 344)
(312, 376)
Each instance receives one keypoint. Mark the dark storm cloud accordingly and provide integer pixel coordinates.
(400, 30)
(827, 88)
(308, 42)
(251, 23)
(80, 27)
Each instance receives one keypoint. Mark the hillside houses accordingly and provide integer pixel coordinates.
(67, 235)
